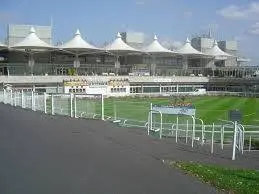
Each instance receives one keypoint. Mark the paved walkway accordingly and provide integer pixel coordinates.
(45, 154)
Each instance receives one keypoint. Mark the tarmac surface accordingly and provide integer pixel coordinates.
(44, 154)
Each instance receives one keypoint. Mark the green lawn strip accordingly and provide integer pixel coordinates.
(200, 102)
(229, 180)
(211, 112)
(234, 103)
(249, 111)
(210, 109)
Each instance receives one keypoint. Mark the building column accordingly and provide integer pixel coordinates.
(58, 88)
(185, 64)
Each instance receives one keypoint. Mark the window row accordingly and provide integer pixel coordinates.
(77, 90)
(118, 90)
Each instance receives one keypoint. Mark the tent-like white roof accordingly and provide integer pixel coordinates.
(215, 51)
(119, 46)
(156, 48)
(77, 43)
(187, 49)
(32, 41)
(2, 46)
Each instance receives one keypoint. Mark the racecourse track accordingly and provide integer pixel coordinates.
(53, 154)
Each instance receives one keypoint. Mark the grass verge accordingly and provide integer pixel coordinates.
(238, 181)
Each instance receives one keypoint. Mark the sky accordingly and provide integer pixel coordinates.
(171, 20)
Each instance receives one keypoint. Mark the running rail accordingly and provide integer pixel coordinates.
(150, 121)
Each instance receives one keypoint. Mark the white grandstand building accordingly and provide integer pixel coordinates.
(148, 67)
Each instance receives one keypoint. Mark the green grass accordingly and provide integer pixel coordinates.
(209, 109)
(238, 181)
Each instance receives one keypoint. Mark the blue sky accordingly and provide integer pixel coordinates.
(99, 21)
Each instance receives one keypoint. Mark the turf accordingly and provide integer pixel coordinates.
(238, 181)
(209, 109)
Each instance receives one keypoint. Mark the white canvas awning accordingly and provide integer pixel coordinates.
(78, 44)
(156, 48)
(2, 45)
(187, 49)
(119, 47)
(32, 41)
(216, 52)
(31, 45)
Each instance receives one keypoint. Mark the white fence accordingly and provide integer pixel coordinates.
(73, 105)
(183, 130)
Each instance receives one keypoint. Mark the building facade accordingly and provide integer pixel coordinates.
(61, 63)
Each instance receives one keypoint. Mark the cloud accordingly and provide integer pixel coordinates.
(170, 44)
(254, 29)
(187, 14)
(140, 2)
(177, 44)
(234, 12)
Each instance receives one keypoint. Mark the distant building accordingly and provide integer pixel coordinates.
(202, 43)
(229, 46)
(134, 39)
(16, 33)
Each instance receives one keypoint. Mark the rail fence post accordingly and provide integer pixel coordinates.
(177, 127)
(32, 103)
(71, 105)
(22, 99)
(193, 130)
(234, 141)
(15, 96)
(4, 100)
(114, 109)
(212, 138)
(250, 142)
(75, 109)
(11, 102)
(187, 129)
(222, 131)
(45, 103)
(102, 107)
(52, 104)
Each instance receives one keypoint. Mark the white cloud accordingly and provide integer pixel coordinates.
(187, 14)
(250, 11)
(177, 44)
(170, 44)
(254, 29)
(256, 25)
(140, 2)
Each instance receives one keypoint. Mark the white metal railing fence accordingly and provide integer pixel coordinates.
(73, 105)
(92, 106)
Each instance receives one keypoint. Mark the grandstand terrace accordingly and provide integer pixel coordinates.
(29, 59)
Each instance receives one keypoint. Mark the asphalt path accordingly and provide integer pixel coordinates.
(53, 154)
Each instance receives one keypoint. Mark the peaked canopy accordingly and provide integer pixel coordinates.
(215, 51)
(2, 46)
(77, 43)
(187, 49)
(156, 48)
(32, 41)
(119, 46)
